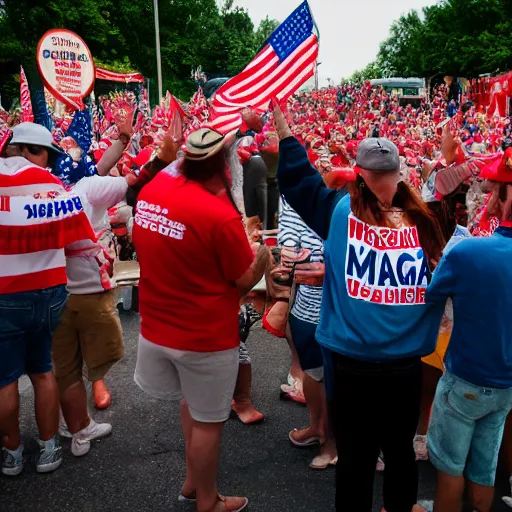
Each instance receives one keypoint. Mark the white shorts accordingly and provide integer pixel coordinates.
(206, 379)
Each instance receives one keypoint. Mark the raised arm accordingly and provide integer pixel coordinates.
(301, 184)
(111, 157)
(115, 152)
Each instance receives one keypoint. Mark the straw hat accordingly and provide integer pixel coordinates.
(206, 142)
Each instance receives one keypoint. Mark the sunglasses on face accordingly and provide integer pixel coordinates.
(35, 150)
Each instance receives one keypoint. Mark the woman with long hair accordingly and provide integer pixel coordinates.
(381, 243)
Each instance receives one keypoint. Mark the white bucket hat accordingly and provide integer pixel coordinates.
(35, 134)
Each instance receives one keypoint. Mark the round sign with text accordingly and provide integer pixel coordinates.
(66, 66)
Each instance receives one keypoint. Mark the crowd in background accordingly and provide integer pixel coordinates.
(370, 221)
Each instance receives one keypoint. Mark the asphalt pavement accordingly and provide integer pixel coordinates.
(140, 467)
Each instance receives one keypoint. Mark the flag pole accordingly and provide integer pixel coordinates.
(158, 53)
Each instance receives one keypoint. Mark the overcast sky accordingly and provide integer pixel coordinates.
(350, 30)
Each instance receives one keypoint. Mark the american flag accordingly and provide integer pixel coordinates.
(286, 61)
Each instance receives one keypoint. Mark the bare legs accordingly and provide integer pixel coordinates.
(46, 409)
(242, 401)
(449, 493)
(9, 416)
(74, 407)
(189, 488)
(313, 394)
(202, 441)
(480, 496)
(46, 404)
(295, 368)
(320, 427)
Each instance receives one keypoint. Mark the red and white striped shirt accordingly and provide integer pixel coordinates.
(38, 218)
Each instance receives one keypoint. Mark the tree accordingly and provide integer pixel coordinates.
(400, 54)
(265, 29)
(371, 71)
(121, 36)
(454, 37)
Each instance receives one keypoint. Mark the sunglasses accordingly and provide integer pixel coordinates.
(35, 150)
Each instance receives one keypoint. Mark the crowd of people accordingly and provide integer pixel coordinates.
(374, 236)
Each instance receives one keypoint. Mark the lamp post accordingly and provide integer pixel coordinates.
(316, 75)
(158, 53)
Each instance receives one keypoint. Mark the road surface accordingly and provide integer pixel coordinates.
(141, 466)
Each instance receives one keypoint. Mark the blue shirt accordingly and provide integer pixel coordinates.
(477, 275)
(373, 297)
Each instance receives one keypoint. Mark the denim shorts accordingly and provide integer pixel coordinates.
(308, 349)
(466, 429)
(27, 323)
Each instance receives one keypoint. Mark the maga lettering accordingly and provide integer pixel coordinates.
(367, 266)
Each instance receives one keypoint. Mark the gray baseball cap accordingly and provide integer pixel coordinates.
(35, 134)
(378, 155)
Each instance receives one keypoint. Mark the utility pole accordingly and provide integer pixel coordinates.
(158, 53)
(316, 75)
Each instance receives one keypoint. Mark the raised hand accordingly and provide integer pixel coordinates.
(310, 274)
(124, 124)
(281, 125)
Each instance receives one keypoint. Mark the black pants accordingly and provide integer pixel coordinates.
(376, 407)
(255, 189)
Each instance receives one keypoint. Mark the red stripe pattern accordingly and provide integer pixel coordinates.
(45, 236)
(103, 74)
(26, 104)
(34, 225)
(33, 281)
(280, 68)
(5, 204)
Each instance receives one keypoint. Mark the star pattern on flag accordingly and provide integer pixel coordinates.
(293, 32)
(81, 129)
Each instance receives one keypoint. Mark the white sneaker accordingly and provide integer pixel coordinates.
(81, 443)
(64, 432)
(63, 427)
(420, 447)
(12, 461)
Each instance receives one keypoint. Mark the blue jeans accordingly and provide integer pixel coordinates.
(466, 429)
(27, 323)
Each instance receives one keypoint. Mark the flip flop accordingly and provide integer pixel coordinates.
(323, 462)
(310, 441)
(185, 499)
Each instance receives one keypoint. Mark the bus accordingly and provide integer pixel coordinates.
(409, 90)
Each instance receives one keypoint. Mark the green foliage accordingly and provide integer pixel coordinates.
(267, 26)
(453, 37)
(121, 36)
(372, 70)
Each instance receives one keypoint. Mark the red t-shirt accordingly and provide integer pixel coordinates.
(192, 247)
